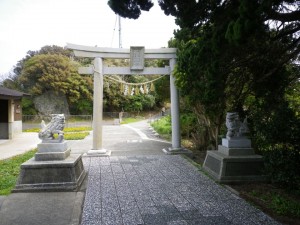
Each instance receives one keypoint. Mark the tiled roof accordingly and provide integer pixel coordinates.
(9, 93)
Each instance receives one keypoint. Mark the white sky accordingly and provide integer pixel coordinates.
(31, 24)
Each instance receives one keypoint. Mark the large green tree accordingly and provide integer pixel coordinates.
(53, 69)
(54, 73)
(239, 55)
(48, 49)
(228, 50)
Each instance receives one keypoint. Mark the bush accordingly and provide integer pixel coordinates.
(138, 103)
(276, 136)
(188, 122)
(282, 164)
(163, 126)
(28, 107)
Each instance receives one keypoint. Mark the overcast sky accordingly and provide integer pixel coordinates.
(31, 24)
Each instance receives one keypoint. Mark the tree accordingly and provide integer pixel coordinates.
(240, 55)
(114, 98)
(228, 50)
(129, 8)
(233, 22)
(54, 73)
(48, 49)
(63, 65)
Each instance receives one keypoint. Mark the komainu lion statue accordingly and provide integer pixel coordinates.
(236, 128)
(55, 126)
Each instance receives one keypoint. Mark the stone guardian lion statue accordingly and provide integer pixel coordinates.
(55, 126)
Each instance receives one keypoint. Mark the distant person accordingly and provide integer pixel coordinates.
(163, 111)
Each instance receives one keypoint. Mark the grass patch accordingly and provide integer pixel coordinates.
(76, 135)
(131, 120)
(163, 127)
(32, 130)
(66, 130)
(281, 204)
(70, 133)
(10, 169)
(77, 129)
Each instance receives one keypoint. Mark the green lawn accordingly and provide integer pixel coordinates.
(76, 135)
(70, 133)
(10, 169)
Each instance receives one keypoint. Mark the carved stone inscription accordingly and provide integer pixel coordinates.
(137, 58)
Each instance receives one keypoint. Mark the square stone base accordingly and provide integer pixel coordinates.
(229, 169)
(52, 151)
(98, 153)
(236, 142)
(58, 175)
(49, 156)
(176, 151)
(235, 151)
(52, 147)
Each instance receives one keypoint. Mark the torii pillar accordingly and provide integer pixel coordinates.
(176, 136)
(175, 119)
(98, 109)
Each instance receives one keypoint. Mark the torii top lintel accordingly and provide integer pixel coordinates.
(120, 53)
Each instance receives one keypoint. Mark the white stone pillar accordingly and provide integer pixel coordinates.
(97, 104)
(97, 108)
(176, 138)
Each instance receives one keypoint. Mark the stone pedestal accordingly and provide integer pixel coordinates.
(235, 161)
(52, 169)
(52, 151)
(54, 175)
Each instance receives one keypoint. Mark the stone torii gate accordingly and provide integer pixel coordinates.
(136, 55)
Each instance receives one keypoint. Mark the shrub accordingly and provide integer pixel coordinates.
(282, 164)
(188, 122)
(276, 136)
(163, 125)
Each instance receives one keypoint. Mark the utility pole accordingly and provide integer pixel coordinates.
(120, 34)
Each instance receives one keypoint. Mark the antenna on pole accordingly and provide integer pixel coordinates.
(120, 34)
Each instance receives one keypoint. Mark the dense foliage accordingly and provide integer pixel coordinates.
(45, 72)
(239, 56)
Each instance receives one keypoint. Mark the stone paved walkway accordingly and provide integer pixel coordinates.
(160, 190)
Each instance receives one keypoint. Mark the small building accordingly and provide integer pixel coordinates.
(10, 113)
